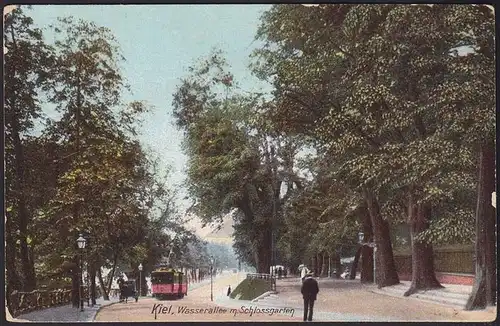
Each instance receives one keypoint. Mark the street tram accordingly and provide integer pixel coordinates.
(167, 283)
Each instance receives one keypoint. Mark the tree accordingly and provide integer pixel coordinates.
(94, 135)
(308, 55)
(349, 93)
(233, 157)
(470, 85)
(28, 59)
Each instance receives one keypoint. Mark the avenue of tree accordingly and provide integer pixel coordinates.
(378, 115)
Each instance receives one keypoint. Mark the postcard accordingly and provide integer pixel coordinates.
(258, 162)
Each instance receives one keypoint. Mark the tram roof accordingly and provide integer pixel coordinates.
(166, 270)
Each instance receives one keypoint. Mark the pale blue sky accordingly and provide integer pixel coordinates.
(159, 42)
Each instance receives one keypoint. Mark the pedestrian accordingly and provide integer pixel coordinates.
(285, 272)
(279, 272)
(228, 290)
(309, 292)
(120, 282)
(304, 272)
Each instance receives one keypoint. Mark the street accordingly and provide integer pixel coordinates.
(196, 306)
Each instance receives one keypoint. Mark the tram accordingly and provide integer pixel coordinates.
(167, 283)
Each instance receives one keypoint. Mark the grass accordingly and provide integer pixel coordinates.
(250, 289)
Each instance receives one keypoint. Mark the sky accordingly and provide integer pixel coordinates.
(159, 43)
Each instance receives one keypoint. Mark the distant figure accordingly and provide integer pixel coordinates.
(304, 272)
(285, 271)
(229, 290)
(124, 293)
(121, 282)
(280, 272)
(309, 292)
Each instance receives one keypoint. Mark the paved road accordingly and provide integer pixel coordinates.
(196, 306)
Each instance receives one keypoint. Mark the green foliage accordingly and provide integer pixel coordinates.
(233, 154)
(380, 94)
(84, 173)
(250, 289)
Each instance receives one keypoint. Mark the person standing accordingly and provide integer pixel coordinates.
(309, 292)
(121, 282)
(304, 272)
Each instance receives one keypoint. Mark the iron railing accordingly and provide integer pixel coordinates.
(267, 277)
(25, 302)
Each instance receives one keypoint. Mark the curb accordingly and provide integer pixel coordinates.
(415, 297)
(263, 295)
(102, 306)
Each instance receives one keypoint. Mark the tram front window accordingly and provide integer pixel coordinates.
(163, 278)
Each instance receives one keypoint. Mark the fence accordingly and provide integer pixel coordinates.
(268, 277)
(459, 259)
(24, 302)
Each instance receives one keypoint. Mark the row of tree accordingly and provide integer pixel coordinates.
(80, 170)
(395, 106)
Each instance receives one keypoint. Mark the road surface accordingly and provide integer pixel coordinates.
(196, 306)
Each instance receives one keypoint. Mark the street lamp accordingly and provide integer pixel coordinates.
(140, 279)
(371, 245)
(211, 279)
(81, 245)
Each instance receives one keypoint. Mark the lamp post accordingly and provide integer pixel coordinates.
(81, 245)
(371, 245)
(87, 269)
(140, 279)
(211, 279)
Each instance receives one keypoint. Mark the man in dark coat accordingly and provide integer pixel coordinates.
(309, 292)
(121, 283)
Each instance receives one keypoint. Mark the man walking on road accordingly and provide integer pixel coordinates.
(309, 292)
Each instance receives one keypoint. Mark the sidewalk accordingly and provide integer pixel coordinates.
(66, 313)
(453, 295)
(349, 300)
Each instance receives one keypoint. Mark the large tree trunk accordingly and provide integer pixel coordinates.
(92, 274)
(366, 251)
(423, 274)
(354, 266)
(386, 274)
(338, 266)
(484, 288)
(264, 252)
(112, 273)
(315, 265)
(105, 293)
(29, 278)
(27, 269)
(324, 266)
(10, 259)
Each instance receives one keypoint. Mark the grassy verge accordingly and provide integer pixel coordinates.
(250, 289)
